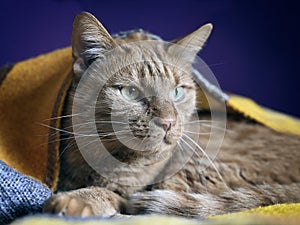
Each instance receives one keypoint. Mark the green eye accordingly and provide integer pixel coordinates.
(178, 94)
(130, 93)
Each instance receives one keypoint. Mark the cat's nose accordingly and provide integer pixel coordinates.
(166, 123)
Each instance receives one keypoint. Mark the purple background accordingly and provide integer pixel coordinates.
(254, 48)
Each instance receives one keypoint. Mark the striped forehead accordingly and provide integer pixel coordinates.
(153, 62)
(156, 67)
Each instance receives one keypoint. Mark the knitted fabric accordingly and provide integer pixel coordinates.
(19, 195)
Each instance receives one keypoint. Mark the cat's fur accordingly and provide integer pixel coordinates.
(257, 166)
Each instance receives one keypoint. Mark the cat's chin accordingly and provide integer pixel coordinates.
(169, 140)
(168, 143)
(163, 144)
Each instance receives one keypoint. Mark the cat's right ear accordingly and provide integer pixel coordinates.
(90, 40)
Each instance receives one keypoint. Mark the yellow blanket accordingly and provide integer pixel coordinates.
(284, 214)
(33, 91)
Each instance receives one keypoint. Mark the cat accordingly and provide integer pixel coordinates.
(256, 166)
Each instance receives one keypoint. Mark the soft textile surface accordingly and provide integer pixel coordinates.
(273, 215)
(19, 195)
(32, 92)
(270, 118)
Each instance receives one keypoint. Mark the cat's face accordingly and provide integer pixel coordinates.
(151, 105)
(145, 105)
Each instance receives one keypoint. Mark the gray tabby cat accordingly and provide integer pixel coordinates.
(255, 167)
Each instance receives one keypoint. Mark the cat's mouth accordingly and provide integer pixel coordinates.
(151, 135)
(169, 138)
(172, 136)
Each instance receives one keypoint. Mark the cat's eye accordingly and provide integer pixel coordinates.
(130, 93)
(178, 94)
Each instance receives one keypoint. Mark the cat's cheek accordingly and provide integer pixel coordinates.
(178, 129)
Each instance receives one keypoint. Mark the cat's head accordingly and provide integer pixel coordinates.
(145, 105)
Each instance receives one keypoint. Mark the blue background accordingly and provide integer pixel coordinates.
(254, 48)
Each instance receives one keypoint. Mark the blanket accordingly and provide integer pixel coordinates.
(20, 194)
(31, 93)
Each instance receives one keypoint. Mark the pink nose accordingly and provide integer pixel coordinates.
(166, 124)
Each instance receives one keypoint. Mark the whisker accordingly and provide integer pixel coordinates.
(218, 128)
(200, 133)
(203, 121)
(205, 154)
(61, 117)
(57, 129)
(98, 122)
(70, 144)
(112, 122)
(105, 135)
(104, 122)
(207, 123)
(113, 133)
(197, 162)
(141, 144)
(114, 139)
(69, 132)
(95, 140)
(123, 144)
(81, 124)
(61, 139)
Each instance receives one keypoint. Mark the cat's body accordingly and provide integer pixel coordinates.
(255, 166)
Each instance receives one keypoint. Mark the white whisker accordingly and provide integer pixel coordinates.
(197, 162)
(200, 133)
(101, 135)
(69, 132)
(70, 144)
(65, 116)
(204, 153)
(112, 122)
(60, 139)
(218, 128)
(202, 121)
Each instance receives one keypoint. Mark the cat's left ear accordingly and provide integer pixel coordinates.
(90, 41)
(194, 41)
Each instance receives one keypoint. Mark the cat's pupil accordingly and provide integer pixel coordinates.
(131, 91)
(178, 94)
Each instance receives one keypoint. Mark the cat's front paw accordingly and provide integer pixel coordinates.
(85, 202)
(65, 205)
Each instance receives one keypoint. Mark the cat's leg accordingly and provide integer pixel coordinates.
(86, 202)
(202, 205)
